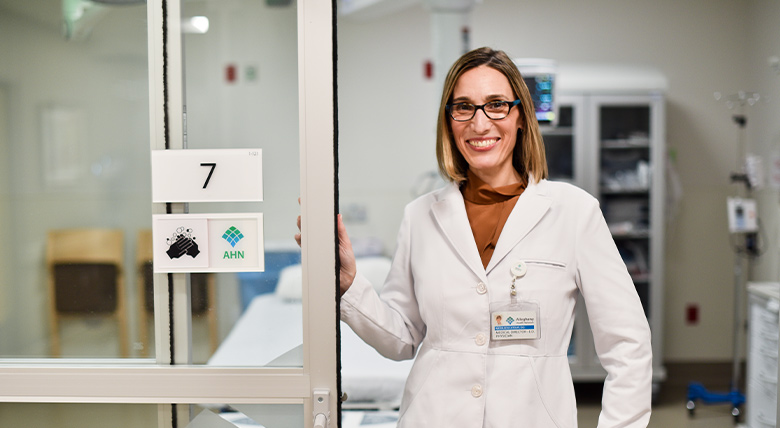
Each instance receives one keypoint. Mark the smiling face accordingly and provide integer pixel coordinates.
(487, 144)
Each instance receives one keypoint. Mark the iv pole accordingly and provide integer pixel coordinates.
(746, 249)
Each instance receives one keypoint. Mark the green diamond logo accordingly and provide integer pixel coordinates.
(232, 235)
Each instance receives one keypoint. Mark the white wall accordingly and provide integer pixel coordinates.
(763, 136)
(387, 119)
(764, 129)
(701, 46)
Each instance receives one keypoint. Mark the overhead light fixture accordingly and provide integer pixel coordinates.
(195, 25)
(79, 17)
(119, 2)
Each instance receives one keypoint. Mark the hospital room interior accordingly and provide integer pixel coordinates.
(665, 111)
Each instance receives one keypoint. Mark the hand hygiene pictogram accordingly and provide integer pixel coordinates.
(182, 242)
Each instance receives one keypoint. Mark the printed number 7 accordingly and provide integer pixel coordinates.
(212, 165)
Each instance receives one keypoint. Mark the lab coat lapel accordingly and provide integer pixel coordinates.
(449, 211)
(531, 206)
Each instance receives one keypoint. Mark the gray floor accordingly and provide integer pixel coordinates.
(669, 409)
(668, 416)
(668, 412)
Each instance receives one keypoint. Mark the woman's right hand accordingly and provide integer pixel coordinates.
(346, 255)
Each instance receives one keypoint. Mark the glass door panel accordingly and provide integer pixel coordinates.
(75, 188)
(247, 416)
(75, 191)
(67, 415)
(62, 415)
(241, 91)
(244, 87)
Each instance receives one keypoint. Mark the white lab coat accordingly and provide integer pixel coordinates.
(438, 290)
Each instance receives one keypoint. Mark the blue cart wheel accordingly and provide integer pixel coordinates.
(735, 412)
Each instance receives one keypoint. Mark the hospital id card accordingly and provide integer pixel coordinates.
(516, 322)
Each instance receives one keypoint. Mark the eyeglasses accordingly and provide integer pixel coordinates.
(495, 110)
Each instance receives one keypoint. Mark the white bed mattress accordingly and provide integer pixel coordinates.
(269, 333)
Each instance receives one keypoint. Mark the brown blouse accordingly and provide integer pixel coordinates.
(488, 209)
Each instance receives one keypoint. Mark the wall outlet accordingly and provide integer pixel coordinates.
(691, 314)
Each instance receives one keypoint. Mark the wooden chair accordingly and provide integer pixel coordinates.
(203, 293)
(85, 279)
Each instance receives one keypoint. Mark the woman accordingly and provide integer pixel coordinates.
(500, 241)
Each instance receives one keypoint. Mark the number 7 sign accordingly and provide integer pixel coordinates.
(220, 175)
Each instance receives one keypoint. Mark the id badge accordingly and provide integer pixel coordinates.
(520, 320)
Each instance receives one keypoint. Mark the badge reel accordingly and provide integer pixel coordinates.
(515, 319)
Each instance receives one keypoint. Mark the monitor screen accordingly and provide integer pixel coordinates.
(541, 88)
(539, 75)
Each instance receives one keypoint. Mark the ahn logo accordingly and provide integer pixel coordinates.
(232, 236)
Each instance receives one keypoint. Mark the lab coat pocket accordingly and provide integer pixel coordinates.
(556, 390)
(548, 283)
(531, 282)
(546, 264)
(425, 364)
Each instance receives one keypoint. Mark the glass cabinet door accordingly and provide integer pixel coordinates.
(565, 144)
(625, 186)
(559, 143)
(630, 145)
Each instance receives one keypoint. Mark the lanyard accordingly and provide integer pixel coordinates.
(518, 270)
(517, 320)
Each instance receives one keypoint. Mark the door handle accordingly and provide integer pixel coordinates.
(320, 421)
(321, 407)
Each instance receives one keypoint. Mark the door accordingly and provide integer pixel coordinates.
(221, 91)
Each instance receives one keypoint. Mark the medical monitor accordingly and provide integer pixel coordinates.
(539, 75)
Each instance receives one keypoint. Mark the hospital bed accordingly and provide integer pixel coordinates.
(269, 333)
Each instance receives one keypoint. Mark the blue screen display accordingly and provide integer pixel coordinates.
(541, 89)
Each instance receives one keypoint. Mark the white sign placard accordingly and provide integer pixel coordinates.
(208, 242)
(222, 175)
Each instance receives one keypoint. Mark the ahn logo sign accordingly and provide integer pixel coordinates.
(232, 236)
(209, 243)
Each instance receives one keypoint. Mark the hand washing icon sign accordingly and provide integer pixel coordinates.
(182, 242)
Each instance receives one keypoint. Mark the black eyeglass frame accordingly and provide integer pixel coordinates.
(448, 107)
